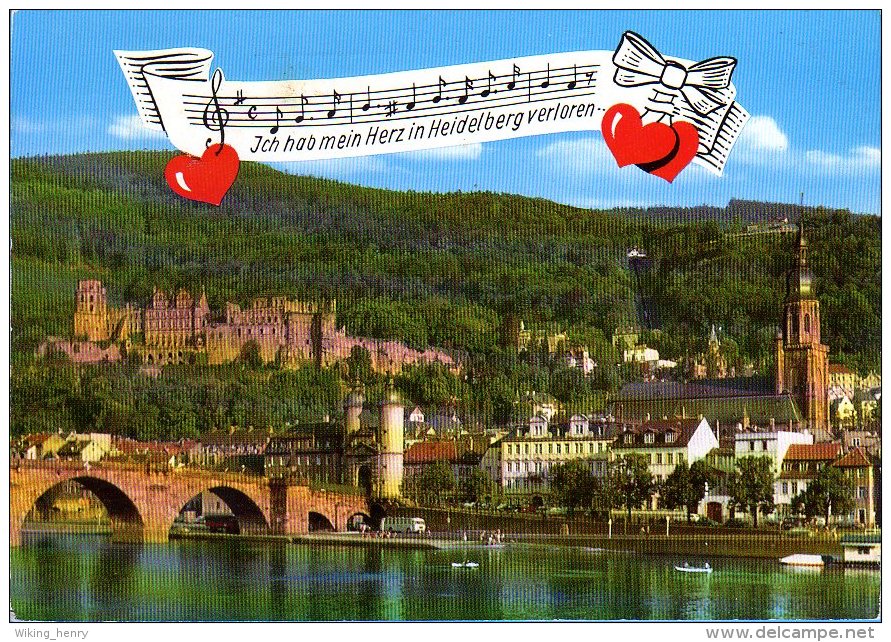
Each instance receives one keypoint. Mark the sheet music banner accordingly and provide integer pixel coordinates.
(298, 120)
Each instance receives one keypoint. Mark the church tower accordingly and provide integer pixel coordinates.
(802, 361)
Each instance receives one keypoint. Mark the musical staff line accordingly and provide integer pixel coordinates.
(381, 117)
(389, 104)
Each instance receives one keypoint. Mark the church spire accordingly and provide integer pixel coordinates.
(800, 283)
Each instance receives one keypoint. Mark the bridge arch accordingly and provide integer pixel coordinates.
(252, 519)
(318, 522)
(127, 521)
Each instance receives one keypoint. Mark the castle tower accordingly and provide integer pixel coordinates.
(802, 361)
(352, 408)
(392, 444)
(91, 311)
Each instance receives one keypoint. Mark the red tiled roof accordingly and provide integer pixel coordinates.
(426, 452)
(855, 458)
(811, 452)
(839, 368)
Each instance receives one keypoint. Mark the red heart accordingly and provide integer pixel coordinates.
(684, 152)
(205, 179)
(633, 143)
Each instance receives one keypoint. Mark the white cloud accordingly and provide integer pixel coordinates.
(131, 128)
(581, 157)
(456, 153)
(762, 133)
(24, 125)
(857, 159)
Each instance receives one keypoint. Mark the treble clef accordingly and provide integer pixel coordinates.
(215, 117)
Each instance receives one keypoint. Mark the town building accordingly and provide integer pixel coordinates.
(840, 376)
(667, 442)
(859, 469)
(519, 463)
(800, 466)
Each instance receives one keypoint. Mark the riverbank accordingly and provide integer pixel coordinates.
(737, 544)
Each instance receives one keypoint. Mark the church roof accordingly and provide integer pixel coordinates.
(701, 388)
(725, 400)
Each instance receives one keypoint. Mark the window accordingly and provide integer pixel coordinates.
(558, 449)
(785, 488)
(764, 444)
(670, 458)
(794, 488)
(861, 492)
(669, 437)
(649, 438)
(629, 438)
(526, 449)
(550, 449)
(752, 446)
(510, 449)
(658, 458)
(807, 324)
(855, 441)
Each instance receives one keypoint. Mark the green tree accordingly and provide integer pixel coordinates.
(359, 366)
(250, 355)
(477, 486)
(751, 487)
(572, 484)
(832, 492)
(685, 486)
(435, 481)
(633, 483)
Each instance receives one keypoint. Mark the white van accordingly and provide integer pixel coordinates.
(403, 525)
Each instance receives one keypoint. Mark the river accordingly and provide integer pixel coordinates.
(89, 578)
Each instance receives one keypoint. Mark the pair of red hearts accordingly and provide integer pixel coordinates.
(656, 148)
(205, 179)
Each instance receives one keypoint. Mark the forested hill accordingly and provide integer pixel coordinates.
(429, 269)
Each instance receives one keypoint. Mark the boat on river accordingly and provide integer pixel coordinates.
(803, 559)
(694, 569)
(465, 565)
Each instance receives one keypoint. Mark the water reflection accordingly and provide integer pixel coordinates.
(91, 578)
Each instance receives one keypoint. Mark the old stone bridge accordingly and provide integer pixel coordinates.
(142, 503)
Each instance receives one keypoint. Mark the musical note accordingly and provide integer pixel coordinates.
(590, 76)
(547, 80)
(303, 102)
(391, 108)
(488, 90)
(513, 82)
(252, 112)
(217, 119)
(575, 77)
(438, 97)
(239, 97)
(335, 100)
(414, 97)
(367, 104)
(278, 116)
(468, 85)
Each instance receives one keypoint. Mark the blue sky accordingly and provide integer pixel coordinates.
(810, 79)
